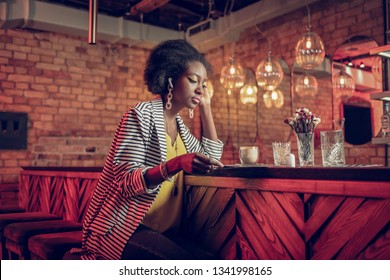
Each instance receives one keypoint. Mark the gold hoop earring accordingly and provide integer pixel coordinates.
(191, 111)
(168, 105)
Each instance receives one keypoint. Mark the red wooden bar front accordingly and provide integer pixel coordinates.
(256, 212)
(291, 213)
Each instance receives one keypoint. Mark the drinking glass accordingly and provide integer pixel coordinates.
(332, 148)
(280, 151)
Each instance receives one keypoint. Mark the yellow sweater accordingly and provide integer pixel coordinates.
(165, 212)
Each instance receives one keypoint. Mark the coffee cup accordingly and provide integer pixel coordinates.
(249, 154)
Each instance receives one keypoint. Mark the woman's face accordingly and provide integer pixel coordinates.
(190, 86)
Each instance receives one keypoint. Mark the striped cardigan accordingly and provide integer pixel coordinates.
(120, 199)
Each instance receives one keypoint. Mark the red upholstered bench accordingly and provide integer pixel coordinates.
(17, 234)
(6, 219)
(11, 209)
(53, 246)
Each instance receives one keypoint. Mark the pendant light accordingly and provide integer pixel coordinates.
(248, 93)
(232, 75)
(306, 85)
(269, 73)
(273, 98)
(343, 84)
(310, 50)
(267, 99)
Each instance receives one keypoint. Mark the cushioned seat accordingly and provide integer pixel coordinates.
(71, 256)
(11, 209)
(53, 246)
(6, 219)
(17, 234)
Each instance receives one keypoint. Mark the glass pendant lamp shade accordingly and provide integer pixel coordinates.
(267, 99)
(232, 75)
(277, 98)
(269, 73)
(248, 94)
(306, 85)
(309, 51)
(273, 98)
(343, 84)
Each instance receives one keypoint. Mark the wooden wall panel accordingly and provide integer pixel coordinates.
(245, 249)
(57, 196)
(210, 219)
(250, 218)
(352, 228)
(61, 194)
(24, 185)
(272, 236)
(71, 199)
(281, 225)
(86, 189)
(378, 249)
(373, 217)
(330, 239)
(256, 238)
(33, 203)
(229, 250)
(322, 209)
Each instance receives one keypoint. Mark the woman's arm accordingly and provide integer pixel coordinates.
(208, 126)
(190, 163)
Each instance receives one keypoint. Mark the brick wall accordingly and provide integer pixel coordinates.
(75, 93)
(335, 22)
(70, 151)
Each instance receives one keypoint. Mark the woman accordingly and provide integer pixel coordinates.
(139, 194)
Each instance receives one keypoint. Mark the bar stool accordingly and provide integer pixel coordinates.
(6, 219)
(53, 246)
(17, 234)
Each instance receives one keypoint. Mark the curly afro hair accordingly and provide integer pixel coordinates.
(170, 59)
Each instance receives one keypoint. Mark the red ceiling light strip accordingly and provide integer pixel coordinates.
(92, 26)
(146, 6)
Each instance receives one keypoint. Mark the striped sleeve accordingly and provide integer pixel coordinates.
(130, 156)
(205, 146)
(212, 148)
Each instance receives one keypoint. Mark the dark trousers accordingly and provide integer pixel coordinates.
(147, 244)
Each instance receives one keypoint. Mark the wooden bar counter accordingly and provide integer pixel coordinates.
(266, 212)
(253, 212)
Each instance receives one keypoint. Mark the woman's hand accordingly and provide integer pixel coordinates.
(198, 163)
(206, 98)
